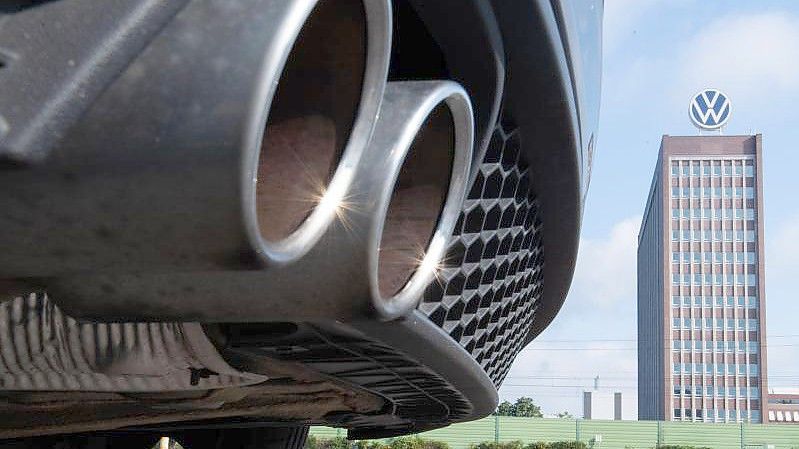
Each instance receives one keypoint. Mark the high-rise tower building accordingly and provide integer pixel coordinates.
(701, 320)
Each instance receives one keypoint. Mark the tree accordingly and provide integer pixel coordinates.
(565, 415)
(505, 409)
(524, 407)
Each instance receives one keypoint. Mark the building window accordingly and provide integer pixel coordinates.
(677, 413)
(728, 279)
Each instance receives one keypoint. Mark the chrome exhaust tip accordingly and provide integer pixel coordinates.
(391, 231)
(425, 135)
(218, 128)
(322, 95)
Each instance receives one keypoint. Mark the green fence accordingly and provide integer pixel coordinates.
(610, 434)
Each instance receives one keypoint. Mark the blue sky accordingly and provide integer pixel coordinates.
(657, 54)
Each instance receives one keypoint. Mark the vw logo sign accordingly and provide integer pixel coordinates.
(710, 109)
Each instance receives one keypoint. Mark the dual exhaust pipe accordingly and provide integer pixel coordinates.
(263, 170)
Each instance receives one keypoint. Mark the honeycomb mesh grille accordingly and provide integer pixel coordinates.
(487, 293)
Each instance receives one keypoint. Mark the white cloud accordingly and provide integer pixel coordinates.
(751, 56)
(782, 258)
(606, 267)
(744, 54)
(555, 368)
(782, 269)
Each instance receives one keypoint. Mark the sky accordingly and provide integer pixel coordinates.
(656, 55)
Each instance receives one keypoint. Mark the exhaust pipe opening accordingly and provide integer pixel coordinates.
(416, 202)
(321, 114)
